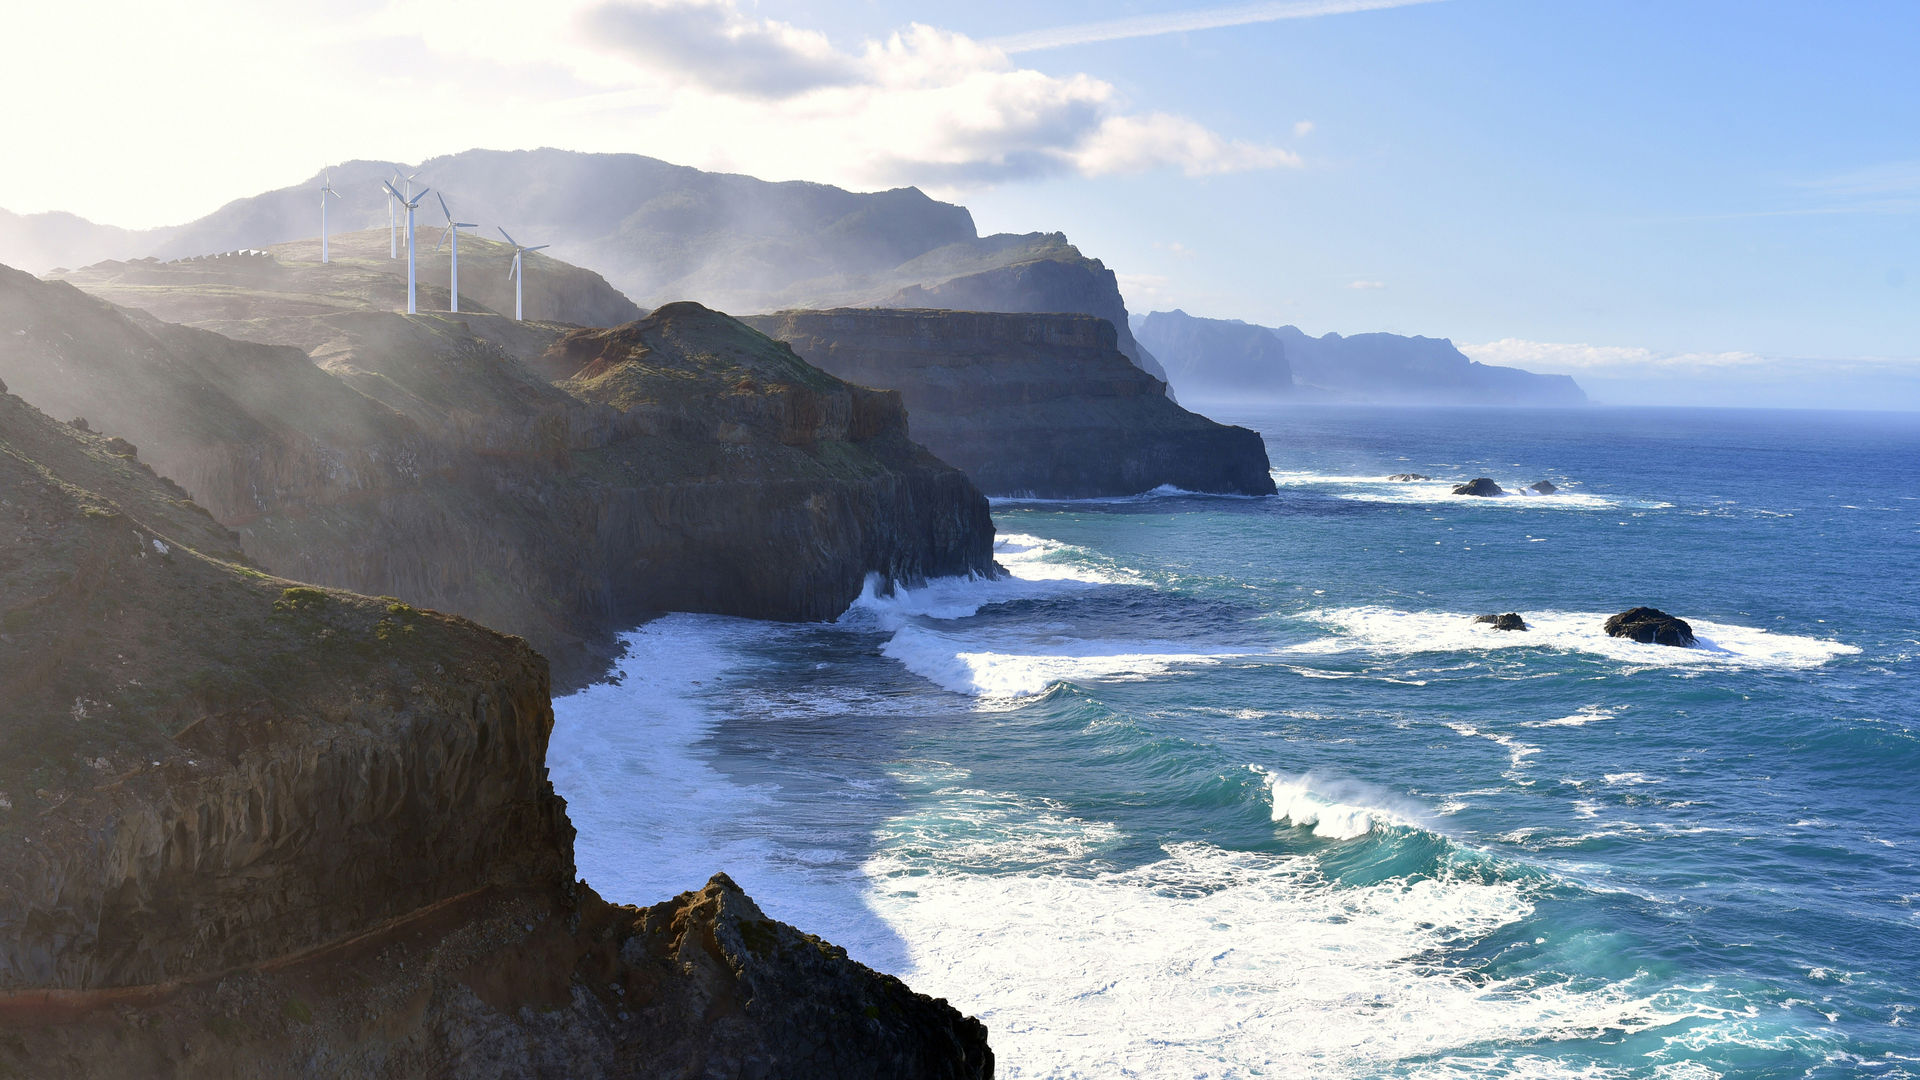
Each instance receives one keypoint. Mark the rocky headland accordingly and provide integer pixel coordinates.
(252, 828)
(1035, 405)
(426, 457)
(1226, 359)
(659, 232)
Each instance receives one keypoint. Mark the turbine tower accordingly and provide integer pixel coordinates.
(518, 272)
(412, 205)
(326, 189)
(453, 234)
(393, 244)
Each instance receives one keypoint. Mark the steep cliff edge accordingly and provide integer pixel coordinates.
(1038, 405)
(419, 457)
(255, 829)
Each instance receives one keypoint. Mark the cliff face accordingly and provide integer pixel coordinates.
(1040, 405)
(1056, 279)
(250, 828)
(418, 457)
(1222, 359)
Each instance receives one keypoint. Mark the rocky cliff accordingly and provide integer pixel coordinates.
(1229, 360)
(1039, 405)
(250, 828)
(419, 457)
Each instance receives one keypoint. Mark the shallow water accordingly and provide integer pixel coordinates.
(1218, 787)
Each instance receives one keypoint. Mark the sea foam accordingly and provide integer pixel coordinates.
(1379, 489)
(1383, 629)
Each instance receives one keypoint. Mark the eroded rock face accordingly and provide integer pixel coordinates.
(1407, 477)
(1544, 487)
(1650, 626)
(1483, 487)
(1509, 621)
(250, 828)
(1037, 405)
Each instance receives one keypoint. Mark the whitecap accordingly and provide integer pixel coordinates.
(961, 665)
(1213, 962)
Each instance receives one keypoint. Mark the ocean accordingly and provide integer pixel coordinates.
(1234, 787)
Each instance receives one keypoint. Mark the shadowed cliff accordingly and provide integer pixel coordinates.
(250, 828)
(419, 457)
(1036, 405)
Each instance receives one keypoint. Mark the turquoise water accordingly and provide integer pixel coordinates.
(1217, 787)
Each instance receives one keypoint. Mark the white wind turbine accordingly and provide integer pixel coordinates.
(518, 272)
(326, 189)
(393, 244)
(413, 204)
(453, 234)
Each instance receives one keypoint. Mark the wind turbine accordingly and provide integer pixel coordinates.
(412, 205)
(326, 189)
(518, 272)
(453, 234)
(393, 245)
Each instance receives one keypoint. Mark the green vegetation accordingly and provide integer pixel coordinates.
(301, 598)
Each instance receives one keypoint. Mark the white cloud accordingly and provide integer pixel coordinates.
(708, 83)
(1366, 285)
(1302, 129)
(711, 44)
(1181, 22)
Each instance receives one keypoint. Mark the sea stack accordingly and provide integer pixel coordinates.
(1482, 487)
(1650, 626)
(1510, 621)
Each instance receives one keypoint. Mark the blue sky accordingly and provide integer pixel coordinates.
(1668, 200)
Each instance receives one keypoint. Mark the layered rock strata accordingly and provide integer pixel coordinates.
(1035, 405)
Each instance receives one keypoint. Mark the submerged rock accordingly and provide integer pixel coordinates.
(1510, 621)
(1650, 626)
(1407, 477)
(1483, 487)
(1544, 487)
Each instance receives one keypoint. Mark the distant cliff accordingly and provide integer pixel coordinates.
(659, 232)
(1225, 359)
(1040, 405)
(250, 828)
(421, 457)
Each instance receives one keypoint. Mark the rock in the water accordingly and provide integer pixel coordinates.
(1650, 626)
(1483, 487)
(1544, 487)
(1407, 477)
(1510, 621)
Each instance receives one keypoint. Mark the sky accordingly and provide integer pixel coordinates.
(1684, 201)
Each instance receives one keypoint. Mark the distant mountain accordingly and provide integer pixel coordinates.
(658, 232)
(1227, 358)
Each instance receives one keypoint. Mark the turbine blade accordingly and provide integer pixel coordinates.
(393, 191)
(443, 238)
(465, 225)
(537, 247)
(509, 236)
(443, 206)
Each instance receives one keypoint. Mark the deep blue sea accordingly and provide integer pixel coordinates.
(1229, 787)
